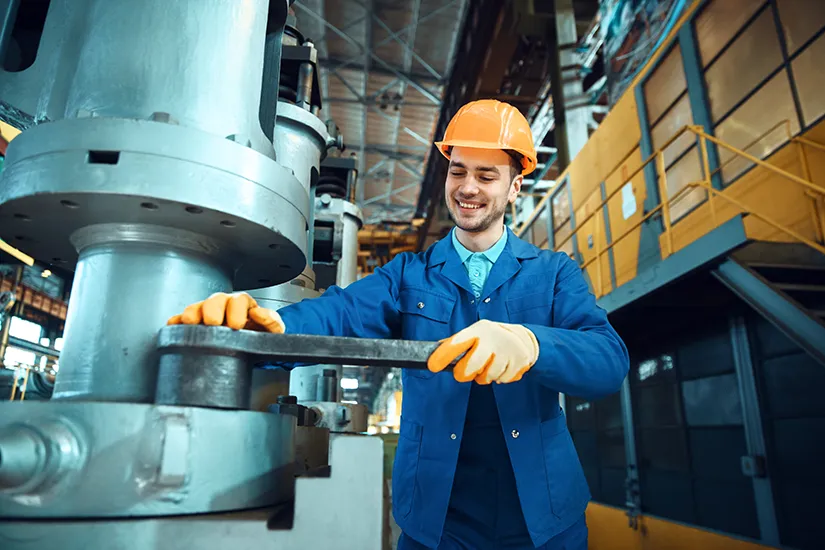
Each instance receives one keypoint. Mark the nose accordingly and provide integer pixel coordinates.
(469, 188)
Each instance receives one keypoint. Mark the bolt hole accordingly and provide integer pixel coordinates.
(149, 205)
(283, 266)
(69, 204)
(274, 246)
(194, 210)
(19, 238)
(227, 223)
(24, 217)
(103, 157)
(58, 260)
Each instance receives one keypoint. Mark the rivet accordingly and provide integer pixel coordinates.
(420, 305)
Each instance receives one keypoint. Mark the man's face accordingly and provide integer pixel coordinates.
(479, 187)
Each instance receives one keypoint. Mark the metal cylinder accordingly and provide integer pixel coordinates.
(304, 95)
(347, 220)
(203, 65)
(22, 457)
(327, 389)
(300, 141)
(204, 380)
(130, 280)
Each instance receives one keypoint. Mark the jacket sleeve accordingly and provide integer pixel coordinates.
(580, 354)
(365, 309)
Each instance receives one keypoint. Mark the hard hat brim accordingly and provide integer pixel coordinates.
(528, 162)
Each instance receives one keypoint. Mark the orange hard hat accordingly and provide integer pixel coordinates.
(491, 124)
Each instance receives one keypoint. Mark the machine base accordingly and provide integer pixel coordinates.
(342, 512)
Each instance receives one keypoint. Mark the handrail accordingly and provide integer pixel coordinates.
(665, 202)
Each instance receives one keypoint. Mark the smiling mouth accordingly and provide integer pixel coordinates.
(469, 205)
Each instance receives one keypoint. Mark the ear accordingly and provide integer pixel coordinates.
(515, 187)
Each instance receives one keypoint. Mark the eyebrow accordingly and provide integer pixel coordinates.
(492, 169)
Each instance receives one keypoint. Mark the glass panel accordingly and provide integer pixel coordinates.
(688, 169)
(540, 227)
(810, 80)
(658, 406)
(665, 84)
(653, 370)
(561, 206)
(712, 401)
(677, 117)
(758, 127)
(562, 233)
(801, 19)
(744, 65)
(718, 22)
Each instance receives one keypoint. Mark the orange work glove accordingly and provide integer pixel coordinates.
(237, 311)
(492, 351)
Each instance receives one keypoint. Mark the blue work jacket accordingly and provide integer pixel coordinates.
(427, 296)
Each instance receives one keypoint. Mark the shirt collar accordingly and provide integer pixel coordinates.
(491, 253)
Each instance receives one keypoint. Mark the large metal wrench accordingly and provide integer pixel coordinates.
(211, 366)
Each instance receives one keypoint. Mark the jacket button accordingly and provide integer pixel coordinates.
(486, 300)
(514, 434)
(420, 305)
(452, 436)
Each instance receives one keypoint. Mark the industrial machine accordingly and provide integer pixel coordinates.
(170, 151)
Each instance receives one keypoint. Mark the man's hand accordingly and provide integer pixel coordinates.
(492, 351)
(237, 311)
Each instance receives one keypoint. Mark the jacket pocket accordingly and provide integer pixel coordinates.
(405, 468)
(534, 307)
(425, 315)
(565, 477)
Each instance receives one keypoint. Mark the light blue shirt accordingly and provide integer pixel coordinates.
(479, 264)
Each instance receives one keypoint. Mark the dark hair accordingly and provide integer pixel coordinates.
(515, 161)
(516, 166)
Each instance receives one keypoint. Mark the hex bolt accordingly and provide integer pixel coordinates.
(22, 457)
(34, 458)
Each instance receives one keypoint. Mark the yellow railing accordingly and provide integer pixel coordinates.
(814, 192)
(25, 383)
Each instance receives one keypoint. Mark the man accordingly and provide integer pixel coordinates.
(478, 465)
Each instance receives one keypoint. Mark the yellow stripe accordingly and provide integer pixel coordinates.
(22, 256)
(608, 530)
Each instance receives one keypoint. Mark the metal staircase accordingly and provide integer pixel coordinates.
(785, 283)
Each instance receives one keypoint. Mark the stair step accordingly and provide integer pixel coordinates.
(771, 265)
(797, 287)
(794, 254)
(790, 274)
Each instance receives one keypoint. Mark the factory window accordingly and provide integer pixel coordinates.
(801, 20)
(740, 68)
(560, 214)
(719, 21)
(810, 79)
(665, 85)
(760, 126)
(598, 433)
(689, 431)
(669, 111)
(539, 227)
(790, 385)
(686, 170)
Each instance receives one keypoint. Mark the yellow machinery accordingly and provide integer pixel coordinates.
(697, 212)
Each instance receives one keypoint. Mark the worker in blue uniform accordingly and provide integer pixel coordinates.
(484, 457)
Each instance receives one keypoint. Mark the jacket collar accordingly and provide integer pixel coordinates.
(443, 250)
(444, 253)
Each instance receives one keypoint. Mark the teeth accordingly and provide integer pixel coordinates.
(466, 205)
